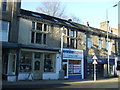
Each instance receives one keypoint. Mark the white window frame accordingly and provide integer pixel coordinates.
(39, 31)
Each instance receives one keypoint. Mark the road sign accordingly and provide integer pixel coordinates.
(95, 62)
(94, 57)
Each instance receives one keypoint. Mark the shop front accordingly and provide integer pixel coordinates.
(73, 63)
(101, 67)
(37, 64)
(9, 61)
(28, 62)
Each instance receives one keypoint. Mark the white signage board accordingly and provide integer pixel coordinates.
(73, 54)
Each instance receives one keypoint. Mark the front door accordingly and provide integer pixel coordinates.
(37, 74)
(65, 68)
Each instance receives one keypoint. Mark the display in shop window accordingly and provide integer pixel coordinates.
(48, 63)
(25, 68)
(74, 67)
(25, 62)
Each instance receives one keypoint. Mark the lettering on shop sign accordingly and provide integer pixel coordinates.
(73, 54)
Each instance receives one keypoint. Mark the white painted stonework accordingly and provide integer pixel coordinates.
(11, 78)
(24, 76)
(49, 76)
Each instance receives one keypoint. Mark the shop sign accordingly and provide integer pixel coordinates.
(72, 54)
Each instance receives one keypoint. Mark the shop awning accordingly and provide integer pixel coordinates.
(9, 45)
(38, 47)
(25, 46)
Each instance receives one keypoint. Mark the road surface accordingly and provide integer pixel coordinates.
(102, 83)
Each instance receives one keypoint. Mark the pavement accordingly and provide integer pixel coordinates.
(37, 84)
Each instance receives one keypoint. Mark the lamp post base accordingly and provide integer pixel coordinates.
(61, 74)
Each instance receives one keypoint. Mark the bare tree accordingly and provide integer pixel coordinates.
(75, 18)
(55, 8)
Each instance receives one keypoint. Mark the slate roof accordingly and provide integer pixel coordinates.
(46, 17)
(64, 22)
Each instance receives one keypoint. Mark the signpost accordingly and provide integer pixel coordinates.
(94, 62)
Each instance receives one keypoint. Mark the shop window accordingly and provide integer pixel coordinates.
(5, 30)
(74, 67)
(25, 62)
(48, 63)
(4, 5)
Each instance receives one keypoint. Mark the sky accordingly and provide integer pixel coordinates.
(92, 11)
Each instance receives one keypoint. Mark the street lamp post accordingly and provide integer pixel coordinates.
(61, 72)
(62, 35)
(107, 26)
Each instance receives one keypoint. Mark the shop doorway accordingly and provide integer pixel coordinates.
(4, 66)
(37, 66)
(65, 68)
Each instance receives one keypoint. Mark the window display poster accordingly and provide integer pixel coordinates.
(74, 69)
(77, 69)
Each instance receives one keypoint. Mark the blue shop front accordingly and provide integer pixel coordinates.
(73, 63)
(101, 67)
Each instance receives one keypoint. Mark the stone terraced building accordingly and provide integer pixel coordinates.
(31, 46)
